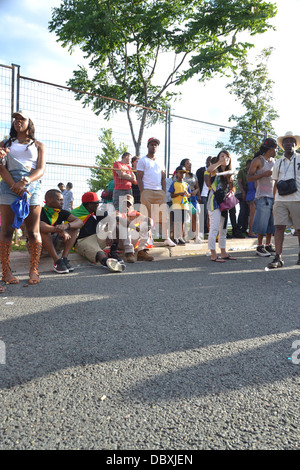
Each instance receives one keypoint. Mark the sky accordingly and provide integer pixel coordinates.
(26, 41)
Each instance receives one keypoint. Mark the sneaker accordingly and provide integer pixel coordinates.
(276, 263)
(60, 267)
(114, 254)
(270, 249)
(181, 241)
(68, 264)
(115, 266)
(261, 251)
(169, 242)
(129, 257)
(143, 255)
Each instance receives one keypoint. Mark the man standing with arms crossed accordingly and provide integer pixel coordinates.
(152, 184)
(286, 206)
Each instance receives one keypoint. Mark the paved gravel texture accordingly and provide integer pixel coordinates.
(178, 354)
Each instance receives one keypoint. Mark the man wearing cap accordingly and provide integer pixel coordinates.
(59, 230)
(152, 184)
(260, 171)
(88, 244)
(286, 174)
(129, 230)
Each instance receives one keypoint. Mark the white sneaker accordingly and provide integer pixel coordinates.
(198, 240)
(169, 242)
(115, 265)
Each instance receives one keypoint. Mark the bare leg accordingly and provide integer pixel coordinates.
(32, 223)
(6, 234)
(279, 236)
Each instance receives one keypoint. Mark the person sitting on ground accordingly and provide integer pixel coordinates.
(180, 192)
(88, 244)
(59, 230)
(129, 230)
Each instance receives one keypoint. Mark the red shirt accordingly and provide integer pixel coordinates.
(119, 183)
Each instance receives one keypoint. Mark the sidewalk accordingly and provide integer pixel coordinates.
(20, 259)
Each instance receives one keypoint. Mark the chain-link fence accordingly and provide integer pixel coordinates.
(71, 132)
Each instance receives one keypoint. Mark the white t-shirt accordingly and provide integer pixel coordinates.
(286, 173)
(152, 173)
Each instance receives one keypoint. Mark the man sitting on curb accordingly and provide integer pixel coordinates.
(59, 229)
(127, 229)
(88, 244)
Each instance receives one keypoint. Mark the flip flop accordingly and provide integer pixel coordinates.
(218, 260)
(229, 257)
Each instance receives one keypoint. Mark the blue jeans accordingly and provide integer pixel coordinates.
(263, 221)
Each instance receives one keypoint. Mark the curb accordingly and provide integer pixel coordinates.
(20, 259)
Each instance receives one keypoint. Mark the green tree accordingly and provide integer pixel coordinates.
(126, 42)
(253, 88)
(110, 154)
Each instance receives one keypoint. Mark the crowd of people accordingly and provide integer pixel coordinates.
(144, 200)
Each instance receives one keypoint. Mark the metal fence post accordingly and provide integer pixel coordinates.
(15, 88)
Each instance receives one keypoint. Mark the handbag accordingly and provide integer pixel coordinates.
(285, 187)
(229, 202)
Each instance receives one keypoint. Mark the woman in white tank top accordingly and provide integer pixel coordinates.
(22, 164)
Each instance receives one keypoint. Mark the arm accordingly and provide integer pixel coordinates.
(255, 165)
(274, 188)
(74, 222)
(230, 183)
(240, 186)
(140, 175)
(125, 174)
(47, 228)
(163, 181)
(196, 190)
(19, 186)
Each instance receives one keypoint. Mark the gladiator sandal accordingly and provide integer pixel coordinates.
(35, 250)
(7, 276)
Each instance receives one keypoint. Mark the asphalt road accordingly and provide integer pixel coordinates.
(178, 354)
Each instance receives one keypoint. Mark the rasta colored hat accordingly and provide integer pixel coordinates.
(130, 199)
(269, 143)
(288, 135)
(90, 197)
(181, 168)
(153, 139)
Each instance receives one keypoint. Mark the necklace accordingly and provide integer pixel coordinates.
(25, 141)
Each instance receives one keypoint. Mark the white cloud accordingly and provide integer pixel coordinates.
(25, 40)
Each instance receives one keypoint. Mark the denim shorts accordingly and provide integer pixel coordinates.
(17, 171)
(263, 221)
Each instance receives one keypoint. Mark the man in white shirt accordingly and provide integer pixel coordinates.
(287, 206)
(152, 184)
